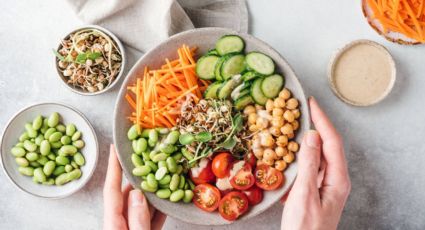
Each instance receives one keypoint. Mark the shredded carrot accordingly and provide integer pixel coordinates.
(160, 93)
(401, 16)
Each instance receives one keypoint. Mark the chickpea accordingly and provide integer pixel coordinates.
(249, 110)
(289, 116)
(269, 154)
(259, 107)
(258, 152)
(296, 113)
(253, 128)
(280, 151)
(267, 140)
(289, 158)
(262, 123)
(277, 122)
(275, 131)
(285, 94)
(62, 64)
(277, 112)
(268, 162)
(295, 125)
(252, 118)
(282, 141)
(293, 146)
(287, 129)
(291, 135)
(269, 105)
(292, 103)
(280, 165)
(260, 162)
(279, 103)
(67, 72)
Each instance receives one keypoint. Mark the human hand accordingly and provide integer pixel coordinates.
(128, 208)
(322, 186)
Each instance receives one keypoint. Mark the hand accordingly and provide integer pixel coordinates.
(321, 188)
(127, 209)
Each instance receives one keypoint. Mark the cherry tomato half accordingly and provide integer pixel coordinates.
(205, 176)
(251, 159)
(268, 178)
(254, 194)
(221, 164)
(243, 179)
(206, 197)
(233, 205)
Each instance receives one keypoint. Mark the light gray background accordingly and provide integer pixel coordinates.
(384, 143)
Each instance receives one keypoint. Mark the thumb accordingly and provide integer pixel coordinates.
(138, 211)
(309, 161)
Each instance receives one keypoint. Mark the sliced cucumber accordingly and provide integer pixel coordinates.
(272, 85)
(248, 76)
(233, 65)
(243, 101)
(217, 69)
(226, 89)
(211, 91)
(256, 93)
(213, 52)
(229, 44)
(205, 66)
(260, 63)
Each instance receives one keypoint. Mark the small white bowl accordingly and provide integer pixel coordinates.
(118, 77)
(15, 128)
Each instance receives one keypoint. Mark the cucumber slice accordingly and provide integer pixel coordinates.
(217, 69)
(233, 65)
(272, 85)
(213, 52)
(211, 91)
(260, 63)
(205, 67)
(256, 93)
(248, 76)
(229, 44)
(243, 101)
(226, 89)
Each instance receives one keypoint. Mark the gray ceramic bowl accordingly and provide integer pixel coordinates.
(204, 39)
(15, 128)
(118, 77)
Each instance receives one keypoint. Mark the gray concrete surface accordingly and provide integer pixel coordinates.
(384, 143)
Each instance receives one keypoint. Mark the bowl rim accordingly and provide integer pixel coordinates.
(23, 110)
(123, 58)
(132, 71)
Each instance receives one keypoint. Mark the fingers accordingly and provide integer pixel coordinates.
(138, 211)
(158, 220)
(125, 193)
(113, 200)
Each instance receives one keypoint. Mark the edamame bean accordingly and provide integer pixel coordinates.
(172, 137)
(61, 128)
(153, 137)
(30, 146)
(160, 173)
(35, 164)
(182, 182)
(39, 139)
(177, 195)
(31, 132)
(70, 129)
(37, 122)
(45, 147)
(62, 179)
(163, 131)
(179, 169)
(150, 178)
(62, 160)
(27, 171)
(163, 193)
(39, 175)
(49, 132)
(68, 150)
(18, 151)
(59, 170)
(56, 136)
(51, 156)
(49, 181)
(79, 159)
(132, 133)
(68, 168)
(66, 140)
(166, 148)
(75, 165)
(74, 174)
(140, 145)
(161, 164)
(31, 156)
(146, 187)
(159, 157)
(191, 184)
(24, 137)
(56, 144)
(79, 144)
(76, 136)
(186, 153)
(186, 186)
(49, 167)
(162, 186)
(22, 161)
(145, 133)
(152, 165)
(171, 165)
(175, 181)
(145, 156)
(152, 154)
(188, 196)
(177, 156)
(165, 180)
(53, 120)
(42, 160)
(142, 170)
(136, 160)
(20, 144)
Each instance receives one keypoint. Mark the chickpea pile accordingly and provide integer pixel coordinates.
(273, 129)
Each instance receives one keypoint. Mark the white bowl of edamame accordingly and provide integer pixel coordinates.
(49, 150)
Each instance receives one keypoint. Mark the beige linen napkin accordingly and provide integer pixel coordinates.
(142, 24)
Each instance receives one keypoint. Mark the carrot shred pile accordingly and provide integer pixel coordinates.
(156, 97)
(402, 16)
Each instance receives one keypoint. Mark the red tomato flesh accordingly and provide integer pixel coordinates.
(254, 194)
(268, 178)
(233, 205)
(243, 179)
(205, 176)
(206, 197)
(251, 159)
(221, 164)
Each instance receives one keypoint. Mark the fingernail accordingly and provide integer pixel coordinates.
(312, 139)
(136, 197)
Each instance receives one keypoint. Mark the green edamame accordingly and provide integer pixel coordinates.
(182, 182)
(153, 137)
(31, 132)
(146, 156)
(175, 182)
(49, 167)
(68, 150)
(68, 168)
(75, 165)
(39, 175)
(177, 156)
(31, 156)
(74, 174)
(49, 181)
(163, 131)
(39, 139)
(61, 128)
(62, 160)
(140, 145)
(145, 133)
(45, 147)
(161, 164)
(160, 173)
(142, 170)
(179, 169)
(18, 151)
(79, 144)
(146, 187)
(53, 120)
(132, 133)
(59, 170)
(171, 164)
(166, 148)
(30, 146)
(136, 160)
(20, 144)
(152, 165)
(159, 157)
(191, 184)
(177, 195)
(70, 129)
(187, 154)
(24, 137)
(188, 196)
(165, 180)
(27, 171)
(150, 178)
(56, 136)
(172, 137)
(49, 132)
(66, 140)
(22, 161)
(56, 144)
(163, 193)
(76, 136)
(42, 160)
(35, 164)
(79, 159)
(51, 156)
(37, 122)
(62, 179)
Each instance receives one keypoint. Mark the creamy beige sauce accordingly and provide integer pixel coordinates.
(363, 73)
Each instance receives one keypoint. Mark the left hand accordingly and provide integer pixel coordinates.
(128, 208)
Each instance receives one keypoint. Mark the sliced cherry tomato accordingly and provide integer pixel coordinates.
(268, 178)
(254, 194)
(221, 164)
(251, 159)
(205, 176)
(243, 179)
(233, 205)
(206, 197)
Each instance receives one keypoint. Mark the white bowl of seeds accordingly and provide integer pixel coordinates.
(90, 60)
